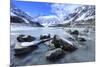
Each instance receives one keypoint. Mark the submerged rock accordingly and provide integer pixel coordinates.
(25, 38)
(55, 54)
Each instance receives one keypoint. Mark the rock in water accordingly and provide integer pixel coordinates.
(44, 36)
(49, 45)
(69, 48)
(81, 39)
(55, 54)
(63, 43)
(30, 38)
(67, 45)
(25, 38)
(25, 47)
(75, 32)
(56, 41)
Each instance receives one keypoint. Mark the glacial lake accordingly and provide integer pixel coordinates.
(84, 54)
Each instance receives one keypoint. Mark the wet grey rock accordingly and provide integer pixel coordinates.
(44, 36)
(50, 45)
(25, 48)
(69, 48)
(68, 45)
(75, 32)
(63, 43)
(82, 39)
(86, 31)
(54, 54)
(56, 41)
(25, 38)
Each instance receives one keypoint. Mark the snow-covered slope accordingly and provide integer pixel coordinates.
(82, 13)
(48, 20)
(19, 16)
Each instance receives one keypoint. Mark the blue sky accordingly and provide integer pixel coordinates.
(34, 8)
(43, 8)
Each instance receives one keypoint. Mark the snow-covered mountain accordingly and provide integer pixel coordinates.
(19, 16)
(80, 15)
(48, 20)
(83, 12)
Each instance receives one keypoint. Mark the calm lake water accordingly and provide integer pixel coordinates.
(86, 53)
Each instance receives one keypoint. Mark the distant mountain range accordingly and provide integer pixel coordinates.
(81, 15)
(48, 20)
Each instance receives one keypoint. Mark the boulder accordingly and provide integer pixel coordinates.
(49, 45)
(86, 30)
(25, 47)
(44, 36)
(56, 41)
(69, 48)
(54, 54)
(81, 38)
(75, 32)
(63, 43)
(25, 38)
(19, 45)
(68, 45)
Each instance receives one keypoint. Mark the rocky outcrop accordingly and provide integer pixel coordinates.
(16, 19)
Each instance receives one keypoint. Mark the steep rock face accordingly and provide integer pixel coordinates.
(19, 16)
(16, 19)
